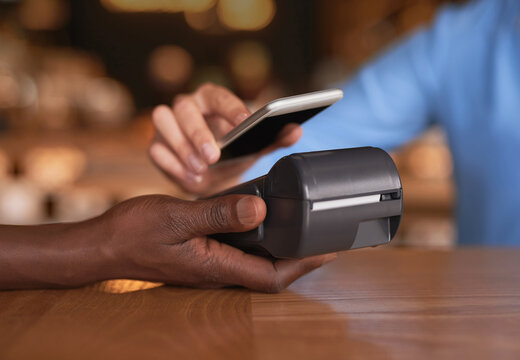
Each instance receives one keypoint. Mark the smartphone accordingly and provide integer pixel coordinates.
(261, 128)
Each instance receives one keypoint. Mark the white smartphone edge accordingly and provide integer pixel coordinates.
(283, 106)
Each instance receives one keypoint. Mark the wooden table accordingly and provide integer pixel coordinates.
(368, 304)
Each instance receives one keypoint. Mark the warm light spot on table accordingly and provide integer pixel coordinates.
(121, 286)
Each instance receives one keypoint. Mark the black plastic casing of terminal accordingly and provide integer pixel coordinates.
(321, 202)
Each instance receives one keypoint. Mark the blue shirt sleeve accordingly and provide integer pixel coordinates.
(387, 103)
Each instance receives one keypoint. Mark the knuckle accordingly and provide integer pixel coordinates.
(182, 149)
(274, 285)
(207, 86)
(178, 98)
(180, 146)
(182, 104)
(159, 109)
(199, 249)
(308, 266)
(175, 222)
(217, 216)
(197, 135)
(207, 262)
(222, 99)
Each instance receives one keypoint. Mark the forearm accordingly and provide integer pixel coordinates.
(54, 255)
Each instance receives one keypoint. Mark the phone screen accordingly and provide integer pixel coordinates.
(265, 133)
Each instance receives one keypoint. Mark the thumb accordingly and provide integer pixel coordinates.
(289, 135)
(232, 213)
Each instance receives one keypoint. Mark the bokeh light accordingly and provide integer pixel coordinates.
(250, 64)
(246, 14)
(106, 102)
(20, 202)
(4, 164)
(10, 93)
(210, 73)
(202, 20)
(54, 105)
(14, 52)
(157, 5)
(80, 203)
(71, 63)
(198, 5)
(28, 91)
(53, 167)
(43, 14)
(61, 87)
(233, 14)
(170, 66)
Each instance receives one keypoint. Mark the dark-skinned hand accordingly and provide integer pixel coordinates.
(155, 238)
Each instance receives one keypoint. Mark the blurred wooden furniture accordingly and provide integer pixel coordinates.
(368, 304)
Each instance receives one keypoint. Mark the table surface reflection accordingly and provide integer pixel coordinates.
(368, 304)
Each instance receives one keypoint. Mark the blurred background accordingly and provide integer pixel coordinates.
(78, 80)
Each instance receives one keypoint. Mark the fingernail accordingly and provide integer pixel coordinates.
(210, 152)
(193, 178)
(246, 211)
(241, 117)
(196, 164)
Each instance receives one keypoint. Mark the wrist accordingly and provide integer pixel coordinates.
(53, 255)
(87, 252)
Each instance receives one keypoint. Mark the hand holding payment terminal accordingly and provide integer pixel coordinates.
(321, 202)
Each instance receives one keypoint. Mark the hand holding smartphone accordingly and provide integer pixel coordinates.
(192, 135)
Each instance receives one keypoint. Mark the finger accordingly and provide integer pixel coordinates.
(288, 136)
(216, 100)
(234, 267)
(228, 173)
(168, 127)
(218, 126)
(232, 213)
(165, 160)
(194, 127)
